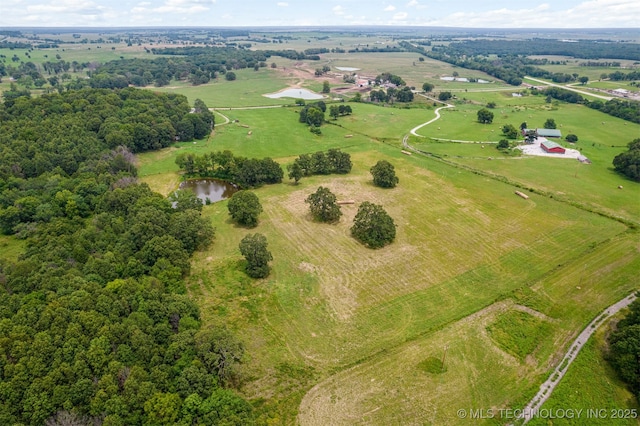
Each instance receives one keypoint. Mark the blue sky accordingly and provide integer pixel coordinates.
(215, 13)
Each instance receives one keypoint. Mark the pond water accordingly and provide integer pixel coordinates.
(295, 93)
(212, 189)
(347, 69)
(463, 79)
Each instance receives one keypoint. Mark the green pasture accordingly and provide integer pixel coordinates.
(601, 138)
(77, 52)
(519, 333)
(591, 384)
(247, 90)
(612, 85)
(258, 133)
(464, 241)
(329, 40)
(10, 247)
(480, 374)
(593, 73)
(408, 66)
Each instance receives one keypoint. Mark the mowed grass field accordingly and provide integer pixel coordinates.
(353, 325)
(331, 305)
(601, 138)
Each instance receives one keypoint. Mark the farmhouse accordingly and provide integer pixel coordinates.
(551, 147)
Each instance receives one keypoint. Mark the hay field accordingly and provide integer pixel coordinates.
(332, 306)
(334, 316)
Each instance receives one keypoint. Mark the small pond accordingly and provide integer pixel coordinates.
(295, 93)
(463, 79)
(212, 189)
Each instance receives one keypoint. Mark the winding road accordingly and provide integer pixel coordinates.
(437, 117)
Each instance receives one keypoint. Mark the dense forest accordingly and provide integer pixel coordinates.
(63, 131)
(584, 49)
(95, 324)
(505, 59)
(628, 163)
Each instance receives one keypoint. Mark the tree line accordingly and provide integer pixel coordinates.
(511, 65)
(584, 49)
(624, 346)
(197, 65)
(242, 171)
(96, 326)
(628, 163)
(319, 163)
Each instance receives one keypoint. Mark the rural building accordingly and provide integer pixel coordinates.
(552, 147)
(545, 133)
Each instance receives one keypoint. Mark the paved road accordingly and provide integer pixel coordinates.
(583, 92)
(547, 387)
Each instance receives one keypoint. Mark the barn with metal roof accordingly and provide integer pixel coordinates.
(552, 147)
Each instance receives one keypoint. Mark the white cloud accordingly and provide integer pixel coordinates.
(412, 3)
(588, 14)
(338, 10)
(390, 8)
(282, 4)
(189, 7)
(400, 16)
(65, 6)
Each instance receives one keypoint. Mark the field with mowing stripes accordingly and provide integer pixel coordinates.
(467, 251)
(339, 334)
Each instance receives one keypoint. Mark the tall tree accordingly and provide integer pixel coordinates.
(244, 207)
(628, 163)
(510, 131)
(295, 171)
(323, 205)
(373, 226)
(254, 248)
(550, 123)
(624, 348)
(485, 116)
(384, 174)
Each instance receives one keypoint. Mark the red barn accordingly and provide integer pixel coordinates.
(552, 147)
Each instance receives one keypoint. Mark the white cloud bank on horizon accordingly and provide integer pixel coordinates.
(558, 14)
